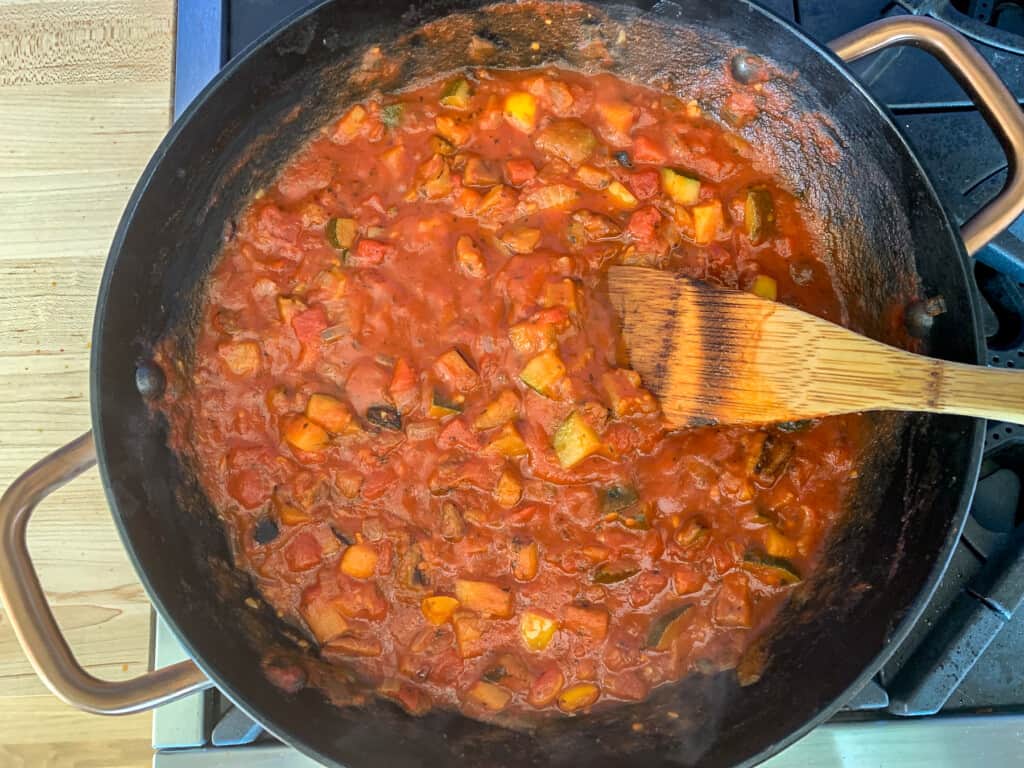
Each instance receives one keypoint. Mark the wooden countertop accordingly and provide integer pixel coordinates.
(85, 96)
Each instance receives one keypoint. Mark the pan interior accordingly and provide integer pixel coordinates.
(886, 236)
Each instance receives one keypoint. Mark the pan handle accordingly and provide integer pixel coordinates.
(33, 622)
(987, 91)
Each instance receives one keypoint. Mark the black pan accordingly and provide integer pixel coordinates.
(885, 233)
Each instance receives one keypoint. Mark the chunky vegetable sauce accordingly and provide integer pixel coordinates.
(410, 403)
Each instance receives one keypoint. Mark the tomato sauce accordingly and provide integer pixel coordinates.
(410, 403)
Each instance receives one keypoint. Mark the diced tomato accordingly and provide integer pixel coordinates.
(732, 606)
(308, 324)
(643, 224)
(303, 552)
(404, 386)
(687, 579)
(645, 184)
(457, 433)
(645, 150)
(249, 488)
(372, 252)
(518, 171)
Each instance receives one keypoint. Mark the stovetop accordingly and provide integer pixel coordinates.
(953, 693)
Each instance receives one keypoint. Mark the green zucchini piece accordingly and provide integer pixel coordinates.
(441, 406)
(666, 628)
(341, 233)
(575, 440)
(391, 115)
(385, 417)
(759, 214)
(457, 93)
(613, 573)
(779, 567)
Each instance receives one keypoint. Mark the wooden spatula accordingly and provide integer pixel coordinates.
(718, 356)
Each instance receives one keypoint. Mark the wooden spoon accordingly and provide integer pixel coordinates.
(718, 356)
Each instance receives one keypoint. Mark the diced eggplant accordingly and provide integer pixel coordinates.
(618, 498)
(613, 573)
(568, 140)
(758, 214)
(776, 453)
(385, 417)
(666, 628)
(777, 567)
(266, 531)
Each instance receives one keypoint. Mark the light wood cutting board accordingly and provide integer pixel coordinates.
(85, 96)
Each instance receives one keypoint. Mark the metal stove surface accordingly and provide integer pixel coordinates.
(953, 694)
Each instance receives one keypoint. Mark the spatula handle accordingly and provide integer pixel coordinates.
(848, 372)
(987, 393)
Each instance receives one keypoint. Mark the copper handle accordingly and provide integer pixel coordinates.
(33, 622)
(992, 98)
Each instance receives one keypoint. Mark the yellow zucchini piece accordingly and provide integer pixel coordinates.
(508, 443)
(438, 609)
(620, 196)
(484, 597)
(503, 409)
(537, 630)
(241, 357)
(304, 434)
(707, 221)
(359, 561)
(329, 412)
(489, 696)
(577, 697)
(543, 373)
(575, 440)
(521, 111)
(683, 189)
(765, 287)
